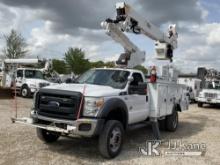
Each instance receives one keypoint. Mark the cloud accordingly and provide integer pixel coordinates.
(160, 11)
(199, 47)
(68, 15)
(76, 23)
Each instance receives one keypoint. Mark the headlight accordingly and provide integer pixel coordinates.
(92, 106)
(33, 86)
(34, 100)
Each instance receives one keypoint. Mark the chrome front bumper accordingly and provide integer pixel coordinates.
(208, 100)
(72, 127)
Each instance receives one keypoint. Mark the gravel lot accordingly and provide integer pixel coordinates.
(19, 144)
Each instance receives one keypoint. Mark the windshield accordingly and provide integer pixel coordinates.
(212, 85)
(113, 78)
(34, 74)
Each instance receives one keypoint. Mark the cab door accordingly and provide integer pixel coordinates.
(137, 100)
(19, 78)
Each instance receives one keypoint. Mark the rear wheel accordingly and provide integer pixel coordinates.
(162, 124)
(47, 136)
(111, 139)
(200, 104)
(172, 121)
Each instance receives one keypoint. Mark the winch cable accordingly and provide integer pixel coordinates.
(81, 102)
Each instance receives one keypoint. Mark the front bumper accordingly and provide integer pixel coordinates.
(33, 90)
(208, 100)
(75, 128)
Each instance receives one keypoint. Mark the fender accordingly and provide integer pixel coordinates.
(113, 104)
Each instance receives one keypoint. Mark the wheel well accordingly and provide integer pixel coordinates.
(178, 108)
(118, 114)
(24, 85)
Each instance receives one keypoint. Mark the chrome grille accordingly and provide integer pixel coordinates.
(211, 95)
(58, 104)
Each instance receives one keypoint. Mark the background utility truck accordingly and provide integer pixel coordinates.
(105, 102)
(193, 84)
(27, 79)
(210, 92)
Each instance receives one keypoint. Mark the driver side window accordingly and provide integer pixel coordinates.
(135, 87)
(137, 79)
(20, 73)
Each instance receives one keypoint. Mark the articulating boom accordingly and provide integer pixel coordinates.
(127, 20)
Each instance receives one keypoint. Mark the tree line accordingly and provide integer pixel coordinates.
(74, 59)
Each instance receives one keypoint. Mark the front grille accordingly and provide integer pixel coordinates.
(211, 95)
(41, 85)
(58, 103)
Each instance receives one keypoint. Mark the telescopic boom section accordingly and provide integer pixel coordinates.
(127, 20)
(132, 55)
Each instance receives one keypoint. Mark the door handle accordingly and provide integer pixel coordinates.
(165, 100)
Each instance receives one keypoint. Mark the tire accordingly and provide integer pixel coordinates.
(111, 139)
(25, 91)
(162, 124)
(200, 104)
(47, 136)
(172, 121)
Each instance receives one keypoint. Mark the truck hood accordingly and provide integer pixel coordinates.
(37, 81)
(90, 90)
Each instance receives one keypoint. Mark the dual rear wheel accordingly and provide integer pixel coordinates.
(170, 123)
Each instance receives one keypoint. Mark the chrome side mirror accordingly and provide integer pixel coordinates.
(130, 79)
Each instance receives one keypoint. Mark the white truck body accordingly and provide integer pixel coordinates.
(194, 85)
(105, 100)
(159, 102)
(32, 78)
(9, 69)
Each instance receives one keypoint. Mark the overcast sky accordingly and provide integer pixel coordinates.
(51, 26)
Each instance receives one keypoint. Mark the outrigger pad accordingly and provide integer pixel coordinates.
(6, 93)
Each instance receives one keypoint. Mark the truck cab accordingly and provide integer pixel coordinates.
(29, 80)
(117, 88)
(210, 94)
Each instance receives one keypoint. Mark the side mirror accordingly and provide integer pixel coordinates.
(130, 79)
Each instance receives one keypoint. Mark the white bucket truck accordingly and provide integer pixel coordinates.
(210, 92)
(27, 80)
(105, 102)
(193, 84)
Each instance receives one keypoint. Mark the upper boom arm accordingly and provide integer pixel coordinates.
(130, 21)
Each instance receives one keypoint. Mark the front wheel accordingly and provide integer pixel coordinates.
(111, 139)
(47, 136)
(172, 121)
(25, 92)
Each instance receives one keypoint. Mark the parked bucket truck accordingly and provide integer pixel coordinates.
(105, 102)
